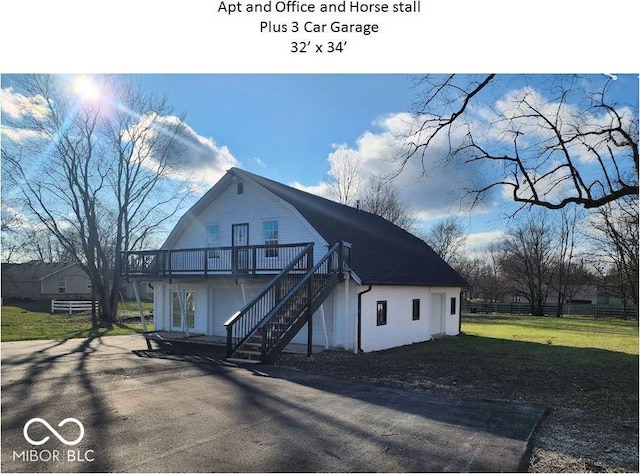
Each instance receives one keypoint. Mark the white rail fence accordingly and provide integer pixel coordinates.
(70, 306)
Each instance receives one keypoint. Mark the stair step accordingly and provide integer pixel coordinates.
(249, 354)
(243, 361)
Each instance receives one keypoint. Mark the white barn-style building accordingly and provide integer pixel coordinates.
(262, 264)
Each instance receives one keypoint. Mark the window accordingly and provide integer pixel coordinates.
(213, 240)
(381, 313)
(62, 286)
(89, 285)
(270, 231)
(416, 309)
(240, 188)
(453, 306)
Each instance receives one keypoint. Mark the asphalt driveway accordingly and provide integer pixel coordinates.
(133, 410)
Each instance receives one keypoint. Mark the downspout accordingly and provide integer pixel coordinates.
(462, 292)
(360, 317)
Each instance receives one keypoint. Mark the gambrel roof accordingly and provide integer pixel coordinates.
(382, 252)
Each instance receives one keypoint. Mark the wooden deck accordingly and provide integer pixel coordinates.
(164, 339)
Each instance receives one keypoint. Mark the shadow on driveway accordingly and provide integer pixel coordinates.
(149, 411)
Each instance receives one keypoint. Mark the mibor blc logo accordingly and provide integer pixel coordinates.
(25, 431)
(48, 455)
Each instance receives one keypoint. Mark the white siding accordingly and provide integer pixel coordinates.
(225, 298)
(401, 329)
(253, 207)
(318, 326)
(159, 316)
(345, 315)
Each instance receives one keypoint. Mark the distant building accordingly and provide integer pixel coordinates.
(38, 281)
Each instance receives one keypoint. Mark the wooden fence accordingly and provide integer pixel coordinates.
(597, 311)
(70, 306)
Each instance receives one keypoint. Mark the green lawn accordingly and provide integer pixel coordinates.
(608, 334)
(25, 321)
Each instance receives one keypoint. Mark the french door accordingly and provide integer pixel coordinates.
(178, 299)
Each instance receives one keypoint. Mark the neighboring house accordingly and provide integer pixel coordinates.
(38, 280)
(580, 294)
(368, 284)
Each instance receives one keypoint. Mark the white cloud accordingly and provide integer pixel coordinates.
(18, 106)
(479, 242)
(430, 186)
(191, 156)
(20, 135)
(320, 189)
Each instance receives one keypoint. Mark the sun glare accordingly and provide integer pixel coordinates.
(86, 88)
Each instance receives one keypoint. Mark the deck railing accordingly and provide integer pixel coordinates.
(209, 260)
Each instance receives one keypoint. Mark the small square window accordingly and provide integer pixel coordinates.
(416, 309)
(381, 313)
(453, 306)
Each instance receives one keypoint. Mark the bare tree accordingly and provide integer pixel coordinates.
(447, 238)
(349, 184)
(345, 176)
(566, 143)
(569, 277)
(382, 198)
(528, 261)
(484, 278)
(616, 245)
(98, 177)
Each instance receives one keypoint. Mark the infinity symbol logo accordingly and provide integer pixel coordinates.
(53, 431)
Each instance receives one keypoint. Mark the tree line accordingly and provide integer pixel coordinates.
(550, 257)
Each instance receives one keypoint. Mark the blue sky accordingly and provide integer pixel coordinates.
(288, 127)
(288, 122)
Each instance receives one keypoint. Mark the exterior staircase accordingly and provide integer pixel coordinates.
(264, 327)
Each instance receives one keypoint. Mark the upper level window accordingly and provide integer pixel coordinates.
(213, 240)
(240, 188)
(270, 233)
(62, 286)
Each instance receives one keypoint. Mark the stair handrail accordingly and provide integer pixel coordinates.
(307, 252)
(341, 250)
(298, 286)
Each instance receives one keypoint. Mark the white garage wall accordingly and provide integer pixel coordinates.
(401, 329)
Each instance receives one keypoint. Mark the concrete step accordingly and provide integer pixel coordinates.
(238, 360)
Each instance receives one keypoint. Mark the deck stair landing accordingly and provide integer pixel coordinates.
(264, 327)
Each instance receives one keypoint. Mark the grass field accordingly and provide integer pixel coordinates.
(608, 334)
(26, 321)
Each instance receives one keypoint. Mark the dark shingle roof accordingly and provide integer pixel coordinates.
(32, 271)
(382, 252)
